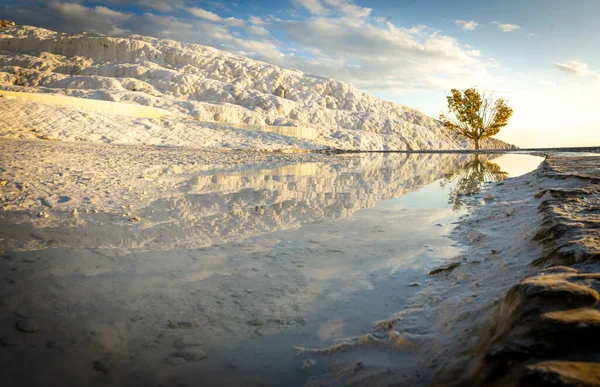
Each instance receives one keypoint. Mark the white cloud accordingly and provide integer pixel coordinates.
(234, 22)
(256, 30)
(213, 17)
(313, 6)
(254, 20)
(383, 56)
(467, 25)
(157, 5)
(576, 68)
(204, 14)
(506, 27)
(340, 7)
(347, 8)
(93, 19)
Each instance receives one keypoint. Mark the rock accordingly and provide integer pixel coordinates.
(182, 324)
(184, 342)
(475, 236)
(104, 366)
(11, 341)
(174, 360)
(3, 182)
(509, 211)
(256, 322)
(7, 23)
(448, 268)
(558, 270)
(42, 215)
(489, 196)
(280, 91)
(307, 363)
(564, 286)
(74, 211)
(191, 354)
(359, 365)
(27, 326)
(562, 373)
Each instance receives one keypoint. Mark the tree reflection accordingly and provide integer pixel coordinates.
(470, 178)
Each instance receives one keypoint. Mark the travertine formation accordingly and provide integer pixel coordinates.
(200, 85)
(545, 330)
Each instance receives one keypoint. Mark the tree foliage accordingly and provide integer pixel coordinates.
(475, 115)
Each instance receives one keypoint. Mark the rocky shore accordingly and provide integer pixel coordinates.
(544, 329)
(520, 306)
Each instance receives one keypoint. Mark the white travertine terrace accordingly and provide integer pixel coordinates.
(199, 84)
(126, 109)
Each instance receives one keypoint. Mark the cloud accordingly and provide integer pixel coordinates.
(331, 7)
(155, 5)
(467, 25)
(346, 8)
(343, 42)
(73, 17)
(506, 27)
(576, 68)
(204, 14)
(257, 31)
(313, 6)
(213, 17)
(257, 21)
(385, 57)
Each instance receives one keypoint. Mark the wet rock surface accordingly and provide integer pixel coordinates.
(544, 331)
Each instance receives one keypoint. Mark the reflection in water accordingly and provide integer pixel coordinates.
(184, 271)
(208, 208)
(471, 177)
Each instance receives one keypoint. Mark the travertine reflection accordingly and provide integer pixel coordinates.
(191, 207)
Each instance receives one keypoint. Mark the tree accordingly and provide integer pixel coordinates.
(474, 115)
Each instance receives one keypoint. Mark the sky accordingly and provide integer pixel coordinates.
(541, 55)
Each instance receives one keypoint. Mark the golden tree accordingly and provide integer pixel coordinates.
(474, 115)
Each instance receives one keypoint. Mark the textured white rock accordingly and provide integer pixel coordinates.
(475, 236)
(199, 84)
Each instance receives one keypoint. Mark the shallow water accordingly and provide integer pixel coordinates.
(243, 265)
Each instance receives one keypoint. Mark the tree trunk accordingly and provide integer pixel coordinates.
(476, 144)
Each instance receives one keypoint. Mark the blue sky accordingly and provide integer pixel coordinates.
(540, 54)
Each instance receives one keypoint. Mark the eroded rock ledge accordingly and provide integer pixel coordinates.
(546, 329)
